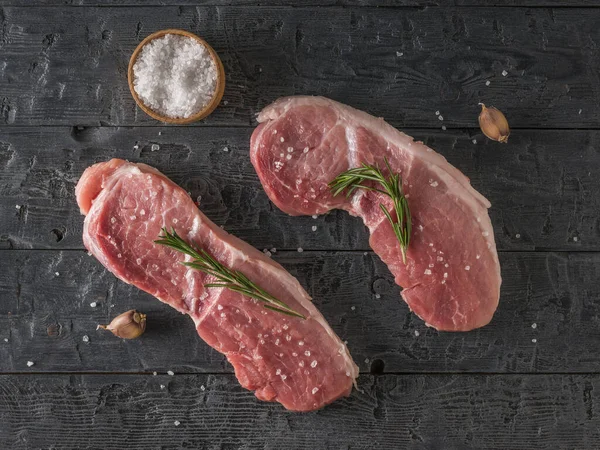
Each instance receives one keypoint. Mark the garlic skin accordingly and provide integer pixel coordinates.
(129, 325)
(494, 124)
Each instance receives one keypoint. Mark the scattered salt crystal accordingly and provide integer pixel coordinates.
(160, 133)
(113, 220)
(314, 228)
(282, 139)
(315, 390)
(440, 117)
(225, 149)
(300, 249)
(30, 363)
(294, 354)
(170, 372)
(444, 127)
(437, 113)
(534, 325)
(367, 360)
(93, 304)
(478, 256)
(575, 239)
(281, 155)
(314, 216)
(307, 353)
(580, 111)
(85, 338)
(427, 272)
(288, 157)
(474, 141)
(433, 184)
(518, 236)
(278, 372)
(377, 295)
(301, 343)
(18, 206)
(138, 261)
(154, 373)
(5, 339)
(446, 265)
(467, 267)
(202, 388)
(219, 307)
(274, 250)
(353, 308)
(135, 147)
(175, 76)
(399, 54)
(290, 149)
(154, 147)
(57, 274)
(534, 340)
(485, 234)
(504, 73)
(431, 265)
(288, 338)
(313, 364)
(417, 333)
(177, 423)
(445, 274)
(487, 83)
(301, 363)
(305, 150)
(162, 386)
(283, 377)
(347, 373)
(285, 325)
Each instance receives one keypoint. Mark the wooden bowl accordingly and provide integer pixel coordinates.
(209, 108)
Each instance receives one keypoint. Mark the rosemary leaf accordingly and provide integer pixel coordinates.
(225, 277)
(391, 186)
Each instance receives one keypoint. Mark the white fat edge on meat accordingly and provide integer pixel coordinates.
(389, 133)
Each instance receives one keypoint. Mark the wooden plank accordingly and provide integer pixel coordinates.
(541, 185)
(300, 3)
(45, 312)
(68, 65)
(390, 412)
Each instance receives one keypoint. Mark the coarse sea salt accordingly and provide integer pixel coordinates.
(175, 76)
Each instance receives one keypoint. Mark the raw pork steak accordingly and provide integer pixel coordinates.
(452, 276)
(300, 363)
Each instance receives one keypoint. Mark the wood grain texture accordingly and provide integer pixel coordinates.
(45, 312)
(542, 185)
(68, 65)
(300, 3)
(434, 412)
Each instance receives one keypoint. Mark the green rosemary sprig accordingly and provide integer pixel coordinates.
(391, 186)
(226, 278)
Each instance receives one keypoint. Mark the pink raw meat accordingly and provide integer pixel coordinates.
(300, 363)
(452, 276)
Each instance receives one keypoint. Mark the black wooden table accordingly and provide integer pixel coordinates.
(529, 380)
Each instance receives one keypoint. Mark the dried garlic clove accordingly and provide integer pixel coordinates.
(493, 124)
(129, 325)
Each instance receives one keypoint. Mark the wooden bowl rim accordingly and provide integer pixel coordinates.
(208, 109)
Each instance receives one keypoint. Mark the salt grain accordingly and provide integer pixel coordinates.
(170, 372)
(93, 304)
(314, 228)
(162, 386)
(534, 325)
(300, 249)
(534, 340)
(85, 338)
(313, 364)
(315, 390)
(467, 267)
(314, 216)
(427, 272)
(30, 363)
(377, 295)
(487, 83)
(504, 73)
(175, 76)
(417, 333)
(202, 388)
(56, 273)
(177, 423)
